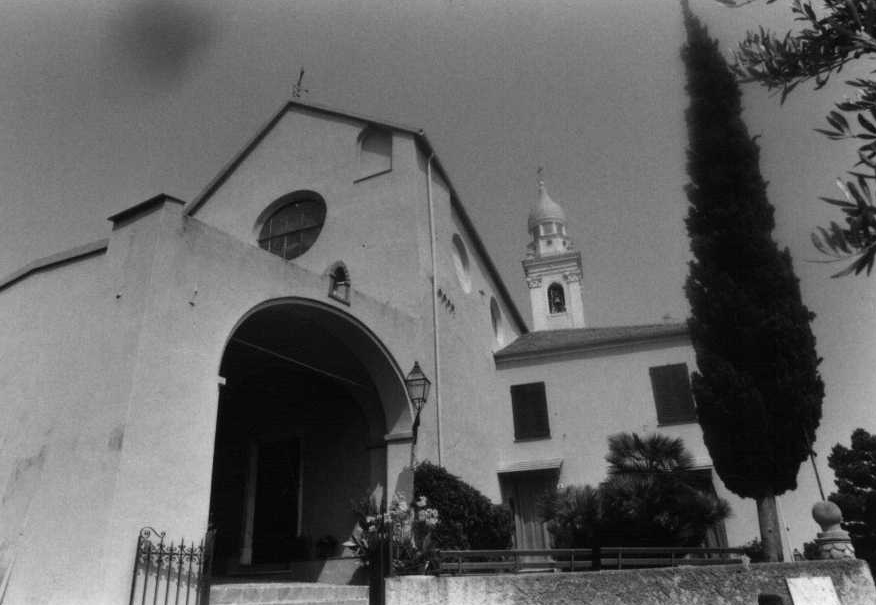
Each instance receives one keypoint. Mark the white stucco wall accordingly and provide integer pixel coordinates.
(378, 226)
(591, 395)
(468, 382)
(164, 477)
(114, 393)
(69, 340)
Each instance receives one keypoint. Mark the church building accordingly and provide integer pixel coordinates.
(238, 361)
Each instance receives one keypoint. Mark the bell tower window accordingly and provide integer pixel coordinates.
(556, 299)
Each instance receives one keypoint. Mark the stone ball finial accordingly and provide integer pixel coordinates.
(828, 515)
(833, 542)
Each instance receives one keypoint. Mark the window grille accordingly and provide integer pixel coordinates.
(292, 230)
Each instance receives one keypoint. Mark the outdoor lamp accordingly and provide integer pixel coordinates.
(418, 390)
(418, 386)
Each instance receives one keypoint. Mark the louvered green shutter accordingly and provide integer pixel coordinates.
(671, 385)
(529, 406)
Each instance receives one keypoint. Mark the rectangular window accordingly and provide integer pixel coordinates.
(529, 405)
(671, 384)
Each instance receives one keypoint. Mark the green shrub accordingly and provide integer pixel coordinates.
(650, 498)
(468, 519)
(754, 551)
(573, 515)
(810, 551)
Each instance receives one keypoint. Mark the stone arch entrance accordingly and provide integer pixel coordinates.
(309, 395)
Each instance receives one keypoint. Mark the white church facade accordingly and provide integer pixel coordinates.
(239, 361)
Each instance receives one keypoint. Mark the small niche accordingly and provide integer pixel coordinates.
(340, 283)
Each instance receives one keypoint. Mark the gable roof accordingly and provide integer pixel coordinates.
(425, 146)
(554, 342)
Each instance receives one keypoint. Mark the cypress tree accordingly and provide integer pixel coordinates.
(758, 392)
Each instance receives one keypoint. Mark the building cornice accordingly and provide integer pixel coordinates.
(55, 260)
(145, 207)
(633, 337)
(537, 262)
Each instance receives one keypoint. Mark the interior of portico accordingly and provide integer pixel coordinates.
(300, 437)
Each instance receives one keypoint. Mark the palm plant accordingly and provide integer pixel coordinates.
(573, 515)
(651, 497)
(629, 454)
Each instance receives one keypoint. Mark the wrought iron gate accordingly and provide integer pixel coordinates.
(166, 574)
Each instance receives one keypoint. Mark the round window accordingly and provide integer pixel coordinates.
(460, 263)
(293, 228)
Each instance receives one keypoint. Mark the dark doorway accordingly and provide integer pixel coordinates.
(291, 454)
(299, 437)
(522, 491)
(275, 523)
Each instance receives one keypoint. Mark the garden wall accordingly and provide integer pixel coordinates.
(714, 585)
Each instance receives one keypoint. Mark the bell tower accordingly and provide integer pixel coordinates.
(552, 267)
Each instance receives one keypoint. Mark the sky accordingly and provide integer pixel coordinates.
(106, 103)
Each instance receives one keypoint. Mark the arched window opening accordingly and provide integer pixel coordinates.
(461, 263)
(497, 322)
(293, 228)
(556, 298)
(375, 152)
(340, 283)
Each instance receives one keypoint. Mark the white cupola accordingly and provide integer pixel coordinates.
(547, 225)
(552, 267)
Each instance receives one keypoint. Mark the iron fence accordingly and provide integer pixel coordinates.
(168, 573)
(581, 559)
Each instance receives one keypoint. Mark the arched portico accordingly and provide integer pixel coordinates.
(309, 397)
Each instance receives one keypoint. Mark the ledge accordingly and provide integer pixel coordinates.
(143, 208)
(61, 258)
(551, 464)
(400, 437)
(549, 342)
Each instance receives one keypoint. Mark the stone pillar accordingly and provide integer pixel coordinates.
(833, 541)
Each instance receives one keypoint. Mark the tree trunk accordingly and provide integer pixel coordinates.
(770, 531)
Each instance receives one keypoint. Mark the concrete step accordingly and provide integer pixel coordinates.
(308, 602)
(287, 593)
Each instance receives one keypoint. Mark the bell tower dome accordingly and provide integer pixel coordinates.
(552, 267)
